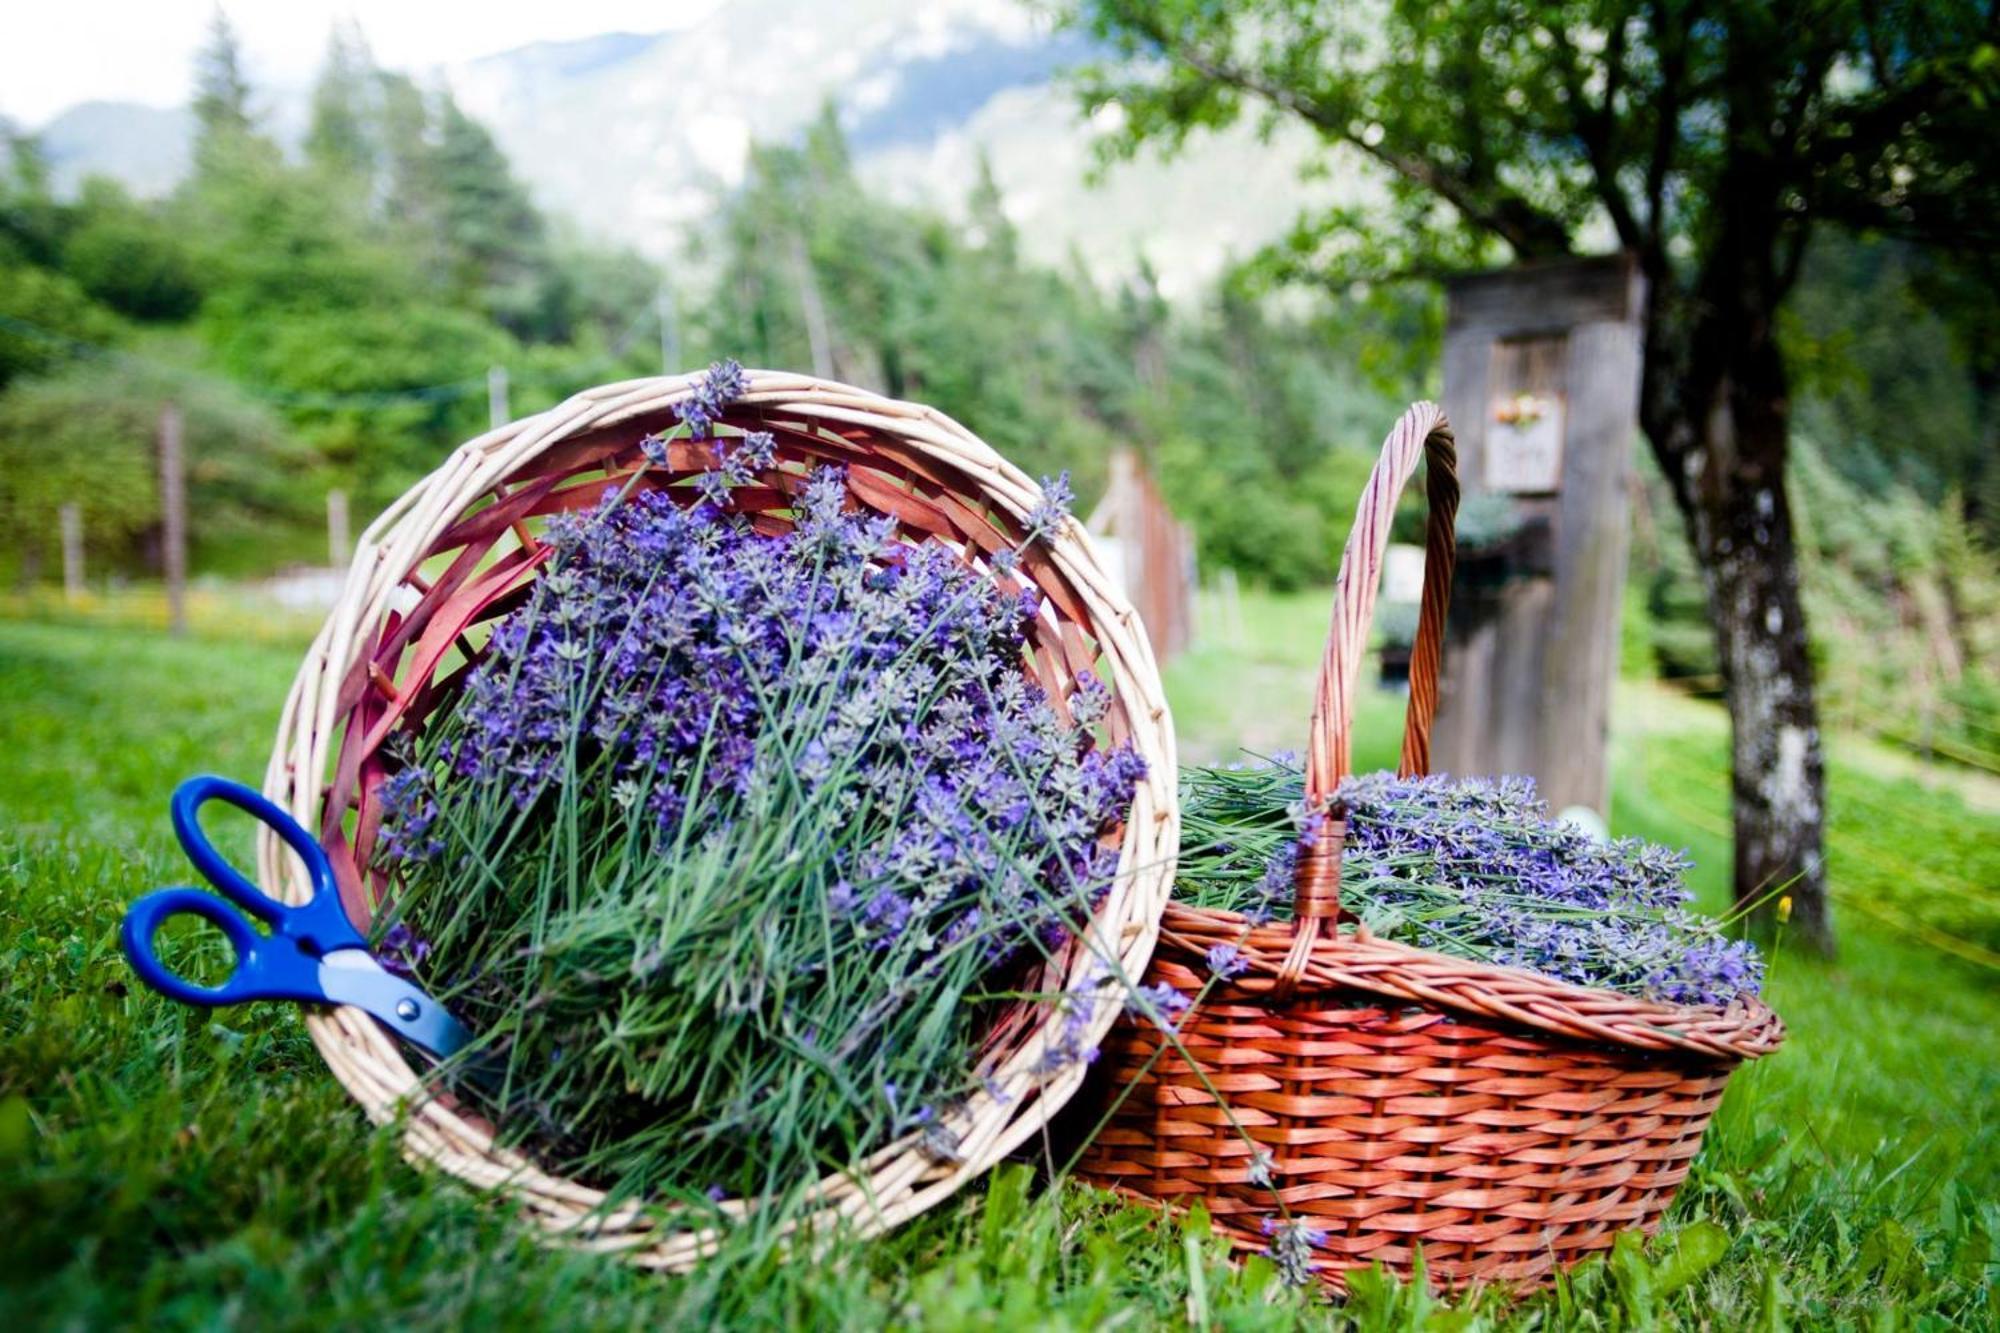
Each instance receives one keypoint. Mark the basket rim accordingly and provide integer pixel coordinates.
(1744, 1029)
(900, 1179)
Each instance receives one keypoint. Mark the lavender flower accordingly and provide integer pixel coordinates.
(1475, 869)
(722, 385)
(401, 950)
(1159, 1002)
(1291, 1248)
(709, 784)
(759, 450)
(1049, 512)
(1226, 960)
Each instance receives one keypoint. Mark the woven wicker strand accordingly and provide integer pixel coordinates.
(1502, 1121)
(460, 549)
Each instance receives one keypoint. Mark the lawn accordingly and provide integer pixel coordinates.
(171, 1168)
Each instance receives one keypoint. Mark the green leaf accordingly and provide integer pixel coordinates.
(1698, 1247)
(17, 1128)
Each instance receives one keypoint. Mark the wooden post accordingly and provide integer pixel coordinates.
(818, 337)
(670, 333)
(1155, 559)
(1541, 382)
(1232, 608)
(338, 547)
(173, 517)
(71, 519)
(496, 397)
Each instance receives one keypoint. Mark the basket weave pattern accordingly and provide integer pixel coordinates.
(461, 549)
(1503, 1121)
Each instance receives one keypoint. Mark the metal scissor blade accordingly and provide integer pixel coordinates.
(352, 976)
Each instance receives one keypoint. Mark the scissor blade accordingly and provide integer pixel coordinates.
(350, 976)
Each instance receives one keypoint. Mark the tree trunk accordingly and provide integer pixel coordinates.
(1778, 773)
(1721, 431)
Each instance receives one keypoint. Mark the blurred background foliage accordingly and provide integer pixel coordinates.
(326, 318)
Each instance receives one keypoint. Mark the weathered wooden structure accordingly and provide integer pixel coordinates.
(1541, 382)
(1149, 551)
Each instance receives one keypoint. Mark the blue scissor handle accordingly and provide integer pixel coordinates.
(320, 925)
(263, 971)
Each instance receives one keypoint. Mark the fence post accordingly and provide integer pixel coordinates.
(497, 414)
(818, 337)
(670, 334)
(71, 516)
(337, 546)
(173, 516)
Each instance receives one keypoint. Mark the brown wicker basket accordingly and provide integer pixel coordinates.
(461, 548)
(1399, 1100)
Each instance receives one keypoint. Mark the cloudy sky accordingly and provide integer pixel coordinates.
(55, 54)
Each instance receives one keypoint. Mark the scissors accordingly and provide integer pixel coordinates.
(313, 953)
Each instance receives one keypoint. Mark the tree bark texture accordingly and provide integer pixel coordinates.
(1717, 411)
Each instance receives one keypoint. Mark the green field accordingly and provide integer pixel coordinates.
(164, 1167)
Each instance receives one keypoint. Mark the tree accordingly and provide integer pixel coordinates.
(1709, 137)
(129, 256)
(495, 236)
(341, 138)
(88, 436)
(221, 91)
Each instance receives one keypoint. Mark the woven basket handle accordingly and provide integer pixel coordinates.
(1423, 431)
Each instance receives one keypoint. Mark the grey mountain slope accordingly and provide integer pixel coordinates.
(636, 137)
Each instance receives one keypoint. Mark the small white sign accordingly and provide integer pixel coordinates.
(1403, 573)
(1524, 445)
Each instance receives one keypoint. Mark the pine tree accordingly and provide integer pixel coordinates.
(495, 236)
(221, 92)
(342, 140)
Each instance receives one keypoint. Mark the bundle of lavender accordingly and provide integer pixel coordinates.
(1471, 868)
(733, 842)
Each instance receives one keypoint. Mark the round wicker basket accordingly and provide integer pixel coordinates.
(1386, 1099)
(461, 549)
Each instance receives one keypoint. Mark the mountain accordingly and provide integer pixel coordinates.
(634, 136)
(146, 147)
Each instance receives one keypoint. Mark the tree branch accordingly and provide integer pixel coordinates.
(1531, 233)
(1596, 125)
(1671, 47)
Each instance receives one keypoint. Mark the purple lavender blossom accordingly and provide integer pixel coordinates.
(1226, 960)
(1049, 512)
(722, 385)
(694, 666)
(1159, 1002)
(1291, 1248)
(1476, 868)
(401, 950)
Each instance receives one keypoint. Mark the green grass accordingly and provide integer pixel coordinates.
(161, 1166)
